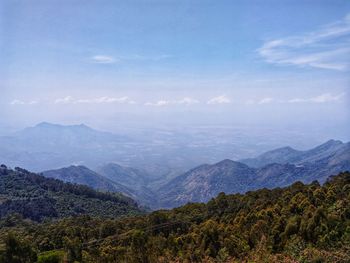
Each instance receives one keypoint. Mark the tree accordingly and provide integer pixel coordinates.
(17, 251)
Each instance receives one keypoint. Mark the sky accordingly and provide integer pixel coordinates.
(138, 63)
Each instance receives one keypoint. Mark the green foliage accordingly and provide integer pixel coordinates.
(53, 256)
(300, 223)
(17, 251)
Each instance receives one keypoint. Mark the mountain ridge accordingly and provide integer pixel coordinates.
(206, 181)
(83, 175)
(290, 155)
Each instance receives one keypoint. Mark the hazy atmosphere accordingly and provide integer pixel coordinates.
(152, 64)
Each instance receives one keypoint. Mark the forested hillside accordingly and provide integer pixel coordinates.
(299, 223)
(37, 197)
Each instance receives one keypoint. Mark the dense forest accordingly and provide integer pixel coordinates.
(299, 223)
(38, 198)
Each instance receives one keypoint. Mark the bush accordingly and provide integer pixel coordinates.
(53, 256)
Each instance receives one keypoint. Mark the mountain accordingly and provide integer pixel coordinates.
(48, 146)
(289, 155)
(206, 181)
(37, 197)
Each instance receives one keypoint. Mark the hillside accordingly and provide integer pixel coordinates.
(206, 181)
(129, 177)
(36, 197)
(299, 223)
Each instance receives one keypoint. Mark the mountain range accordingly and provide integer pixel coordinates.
(276, 168)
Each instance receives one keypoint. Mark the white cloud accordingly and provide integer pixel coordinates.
(326, 97)
(322, 98)
(17, 102)
(158, 103)
(223, 99)
(327, 48)
(266, 100)
(102, 59)
(184, 101)
(65, 100)
(187, 101)
(100, 100)
(21, 102)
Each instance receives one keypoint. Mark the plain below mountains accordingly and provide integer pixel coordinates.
(162, 152)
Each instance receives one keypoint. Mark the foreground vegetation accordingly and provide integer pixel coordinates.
(300, 223)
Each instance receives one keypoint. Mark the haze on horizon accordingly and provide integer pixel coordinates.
(177, 64)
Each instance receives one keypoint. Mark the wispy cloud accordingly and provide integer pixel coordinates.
(223, 99)
(327, 48)
(21, 102)
(65, 100)
(184, 101)
(322, 98)
(103, 59)
(326, 97)
(100, 100)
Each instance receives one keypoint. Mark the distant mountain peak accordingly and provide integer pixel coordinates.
(225, 162)
(53, 125)
(283, 149)
(76, 167)
(45, 124)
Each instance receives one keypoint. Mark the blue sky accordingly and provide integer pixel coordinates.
(247, 61)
